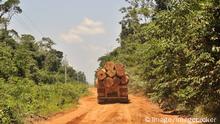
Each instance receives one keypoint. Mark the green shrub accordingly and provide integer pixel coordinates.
(22, 98)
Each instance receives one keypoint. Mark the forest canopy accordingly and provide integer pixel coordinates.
(22, 56)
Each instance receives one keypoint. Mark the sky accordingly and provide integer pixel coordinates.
(83, 30)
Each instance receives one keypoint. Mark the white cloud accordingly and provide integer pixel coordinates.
(87, 27)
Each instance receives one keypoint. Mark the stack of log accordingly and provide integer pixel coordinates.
(111, 76)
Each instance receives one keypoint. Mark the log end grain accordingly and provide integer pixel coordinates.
(109, 66)
(101, 75)
(111, 73)
(120, 70)
(124, 80)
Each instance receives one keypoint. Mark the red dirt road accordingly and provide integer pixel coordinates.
(139, 111)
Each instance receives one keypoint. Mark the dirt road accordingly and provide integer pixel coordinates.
(139, 111)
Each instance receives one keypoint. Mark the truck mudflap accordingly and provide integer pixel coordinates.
(104, 100)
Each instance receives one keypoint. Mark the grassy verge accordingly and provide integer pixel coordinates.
(23, 98)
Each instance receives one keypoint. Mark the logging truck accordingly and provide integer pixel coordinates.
(111, 83)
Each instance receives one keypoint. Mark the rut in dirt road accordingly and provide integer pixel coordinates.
(138, 111)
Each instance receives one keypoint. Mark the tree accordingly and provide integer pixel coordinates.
(81, 76)
(46, 43)
(21, 56)
(175, 54)
(7, 66)
(7, 10)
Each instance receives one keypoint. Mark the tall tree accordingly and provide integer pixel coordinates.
(7, 10)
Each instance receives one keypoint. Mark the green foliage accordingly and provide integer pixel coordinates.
(174, 56)
(7, 9)
(7, 67)
(35, 60)
(29, 72)
(21, 98)
(25, 57)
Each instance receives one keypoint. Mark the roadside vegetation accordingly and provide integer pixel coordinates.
(32, 73)
(172, 52)
(22, 99)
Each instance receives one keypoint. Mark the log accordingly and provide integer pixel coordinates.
(124, 80)
(111, 73)
(120, 70)
(119, 66)
(101, 74)
(108, 82)
(117, 81)
(109, 66)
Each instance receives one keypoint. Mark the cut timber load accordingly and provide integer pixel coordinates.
(111, 82)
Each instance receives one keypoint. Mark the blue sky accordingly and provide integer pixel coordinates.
(83, 29)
